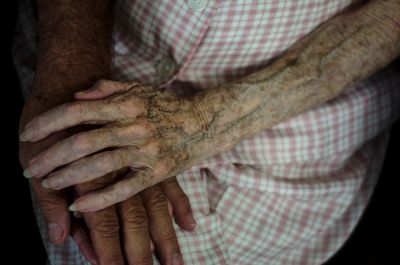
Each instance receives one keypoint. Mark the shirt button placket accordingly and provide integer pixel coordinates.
(197, 5)
(166, 68)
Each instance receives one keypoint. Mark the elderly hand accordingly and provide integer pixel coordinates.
(144, 129)
(127, 232)
(53, 204)
(141, 217)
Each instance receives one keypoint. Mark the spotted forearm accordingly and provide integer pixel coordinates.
(342, 51)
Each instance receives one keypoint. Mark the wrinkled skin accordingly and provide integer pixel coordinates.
(146, 211)
(160, 135)
(148, 131)
(64, 67)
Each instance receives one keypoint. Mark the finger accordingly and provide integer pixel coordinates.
(54, 207)
(66, 116)
(84, 144)
(104, 232)
(103, 226)
(180, 203)
(84, 243)
(104, 88)
(130, 185)
(136, 238)
(77, 215)
(96, 166)
(161, 229)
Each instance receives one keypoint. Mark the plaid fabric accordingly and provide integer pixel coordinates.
(288, 195)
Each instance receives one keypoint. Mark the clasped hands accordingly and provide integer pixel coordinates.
(147, 132)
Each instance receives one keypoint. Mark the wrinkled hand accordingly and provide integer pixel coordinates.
(53, 204)
(144, 129)
(136, 215)
(121, 234)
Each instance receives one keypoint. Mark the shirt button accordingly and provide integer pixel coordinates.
(166, 68)
(198, 5)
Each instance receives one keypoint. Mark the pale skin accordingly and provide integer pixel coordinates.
(122, 233)
(160, 135)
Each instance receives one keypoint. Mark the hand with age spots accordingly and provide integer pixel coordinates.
(142, 219)
(143, 129)
(160, 135)
(121, 233)
(157, 135)
(54, 204)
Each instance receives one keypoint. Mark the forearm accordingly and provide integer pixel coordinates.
(74, 48)
(320, 67)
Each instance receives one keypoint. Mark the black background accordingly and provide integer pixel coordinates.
(375, 241)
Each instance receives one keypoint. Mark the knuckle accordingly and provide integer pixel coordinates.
(142, 180)
(169, 236)
(106, 163)
(50, 205)
(157, 201)
(39, 122)
(153, 149)
(136, 219)
(105, 223)
(81, 143)
(145, 127)
(123, 134)
(60, 180)
(136, 223)
(164, 167)
(124, 191)
(47, 159)
(72, 108)
(112, 259)
(137, 130)
(140, 259)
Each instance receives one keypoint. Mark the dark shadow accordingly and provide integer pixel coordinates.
(23, 239)
(375, 240)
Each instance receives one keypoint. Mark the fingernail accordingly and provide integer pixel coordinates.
(177, 259)
(31, 171)
(55, 232)
(25, 136)
(190, 219)
(72, 207)
(45, 184)
(27, 174)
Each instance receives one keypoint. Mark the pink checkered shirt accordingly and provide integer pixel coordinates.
(291, 194)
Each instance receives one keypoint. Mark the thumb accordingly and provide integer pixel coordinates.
(55, 211)
(104, 88)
